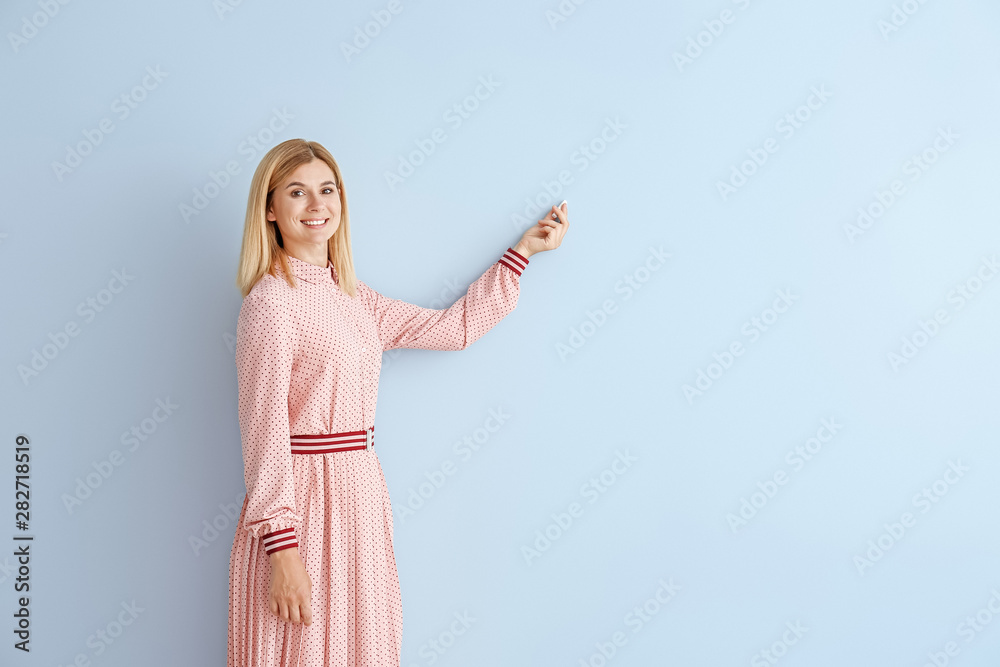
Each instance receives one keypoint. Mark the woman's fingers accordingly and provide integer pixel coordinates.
(307, 616)
(300, 612)
(558, 213)
(282, 610)
(295, 609)
(556, 218)
(306, 601)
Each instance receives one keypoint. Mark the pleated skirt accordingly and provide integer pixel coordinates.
(345, 542)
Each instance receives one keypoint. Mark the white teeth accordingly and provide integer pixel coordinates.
(313, 223)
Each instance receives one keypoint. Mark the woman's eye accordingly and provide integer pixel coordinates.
(327, 188)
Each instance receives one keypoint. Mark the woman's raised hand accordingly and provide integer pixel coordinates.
(547, 233)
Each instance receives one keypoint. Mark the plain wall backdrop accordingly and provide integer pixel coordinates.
(745, 415)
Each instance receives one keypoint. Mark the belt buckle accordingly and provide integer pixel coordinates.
(368, 440)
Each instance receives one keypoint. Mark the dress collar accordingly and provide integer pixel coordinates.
(312, 273)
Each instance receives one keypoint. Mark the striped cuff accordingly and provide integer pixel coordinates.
(279, 539)
(514, 261)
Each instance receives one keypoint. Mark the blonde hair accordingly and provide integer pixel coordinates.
(262, 247)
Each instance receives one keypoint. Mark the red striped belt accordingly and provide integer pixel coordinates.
(323, 443)
(318, 443)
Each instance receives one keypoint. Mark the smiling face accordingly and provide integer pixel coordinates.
(306, 208)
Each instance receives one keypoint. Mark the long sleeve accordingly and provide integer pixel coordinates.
(487, 301)
(263, 368)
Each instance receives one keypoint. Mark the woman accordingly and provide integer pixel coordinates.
(312, 574)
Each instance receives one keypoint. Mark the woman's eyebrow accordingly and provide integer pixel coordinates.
(302, 185)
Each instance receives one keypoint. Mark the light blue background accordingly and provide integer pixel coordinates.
(168, 334)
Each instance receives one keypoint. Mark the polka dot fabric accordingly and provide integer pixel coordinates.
(307, 362)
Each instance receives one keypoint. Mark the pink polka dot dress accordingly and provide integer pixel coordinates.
(308, 361)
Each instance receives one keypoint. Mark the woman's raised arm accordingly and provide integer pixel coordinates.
(487, 301)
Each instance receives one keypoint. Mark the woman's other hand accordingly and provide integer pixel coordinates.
(291, 587)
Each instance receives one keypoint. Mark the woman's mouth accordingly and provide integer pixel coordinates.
(315, 223)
